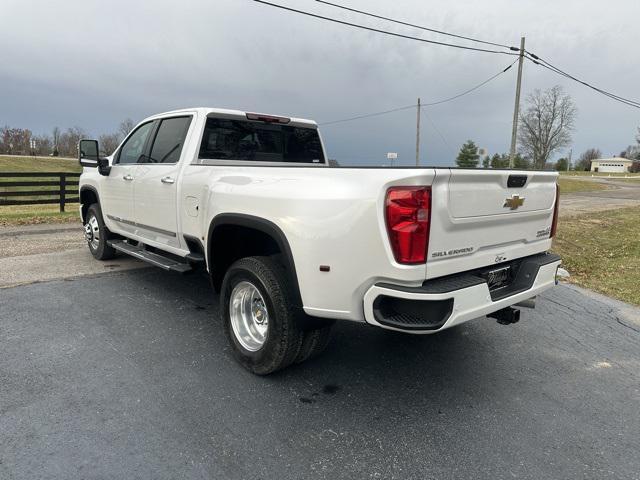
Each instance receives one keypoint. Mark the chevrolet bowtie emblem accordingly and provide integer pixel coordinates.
(514, 202)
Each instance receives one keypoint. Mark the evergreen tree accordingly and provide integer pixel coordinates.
(521, 163)
(562, 165)
(468, 156)
(500, 161)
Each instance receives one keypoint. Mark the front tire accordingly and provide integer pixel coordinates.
(260, 315)
(97, 234)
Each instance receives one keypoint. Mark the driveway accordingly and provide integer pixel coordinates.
(128, 375)
(619, 195)
(46, 252)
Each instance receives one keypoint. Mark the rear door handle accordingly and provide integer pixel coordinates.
(167, 180)
(127, 177)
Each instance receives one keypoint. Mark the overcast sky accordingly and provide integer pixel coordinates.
(92, 64)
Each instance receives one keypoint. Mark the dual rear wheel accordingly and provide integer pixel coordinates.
(261, 318)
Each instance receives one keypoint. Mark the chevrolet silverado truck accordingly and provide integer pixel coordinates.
(292, 244)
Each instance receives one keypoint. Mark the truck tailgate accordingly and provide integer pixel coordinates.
(486, 217)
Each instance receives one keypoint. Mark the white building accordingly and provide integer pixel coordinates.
(611, 165)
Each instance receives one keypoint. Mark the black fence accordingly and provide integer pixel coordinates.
(36, 187)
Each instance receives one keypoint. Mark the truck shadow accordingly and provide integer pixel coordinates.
(362, 362)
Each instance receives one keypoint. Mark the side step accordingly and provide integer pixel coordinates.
(156, 259)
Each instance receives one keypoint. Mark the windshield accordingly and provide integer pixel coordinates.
(260, 142)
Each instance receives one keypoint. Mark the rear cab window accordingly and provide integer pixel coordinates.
(169, 140)
(229, 139)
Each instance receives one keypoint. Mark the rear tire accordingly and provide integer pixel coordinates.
(314, 343)
(260, 315)
(97, 234)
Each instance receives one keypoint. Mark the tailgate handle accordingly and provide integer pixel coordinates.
(516, 181)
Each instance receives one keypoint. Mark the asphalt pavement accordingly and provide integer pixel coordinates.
(128, 375)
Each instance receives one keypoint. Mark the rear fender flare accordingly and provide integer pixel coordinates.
(264, 226)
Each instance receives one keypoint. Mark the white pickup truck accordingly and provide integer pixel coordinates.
(293, 244)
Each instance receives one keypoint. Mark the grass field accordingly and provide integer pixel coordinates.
(35, 214)
(32, 214)
(603, 253)
(629, 180)
(597, 174)
(38, 164)
(572, 185)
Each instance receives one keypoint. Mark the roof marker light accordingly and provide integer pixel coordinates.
(259, 117)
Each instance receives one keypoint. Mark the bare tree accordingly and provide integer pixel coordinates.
(126, 126)
(584, 162)
(109, 142)
(55, 137)
(546, 124)
(69, 141)
(43, 144)
(632, 152)
(14, 140)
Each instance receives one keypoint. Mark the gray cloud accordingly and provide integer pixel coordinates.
(93, 63)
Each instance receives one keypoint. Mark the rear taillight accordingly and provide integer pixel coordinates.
(554, 223)
(408, 213)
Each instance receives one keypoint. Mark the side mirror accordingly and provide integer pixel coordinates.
(88, 156)
(88, 153)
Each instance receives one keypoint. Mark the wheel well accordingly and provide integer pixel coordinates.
(229, 243)
(88, 197)
(233, 236)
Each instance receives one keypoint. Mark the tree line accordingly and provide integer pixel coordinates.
(22, 141)
(545, 127)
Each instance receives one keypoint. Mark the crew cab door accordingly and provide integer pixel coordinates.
(156, 183)
(117, 188)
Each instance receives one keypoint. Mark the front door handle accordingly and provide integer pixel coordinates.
(127, 177)
(167, 180)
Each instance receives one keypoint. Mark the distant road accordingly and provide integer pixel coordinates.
(625, 194)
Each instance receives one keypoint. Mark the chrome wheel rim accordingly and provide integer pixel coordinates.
(92, 232)
(249, 316)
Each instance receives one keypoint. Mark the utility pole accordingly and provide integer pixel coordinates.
(516, 109)
(418, 135)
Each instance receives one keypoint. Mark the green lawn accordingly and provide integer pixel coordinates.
(36, 214)
(38, 164)
(602, 252)
(32, 214)
(572, 185)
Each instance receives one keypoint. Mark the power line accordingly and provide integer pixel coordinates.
(442, 137)
(529, 55)
(368, 115)
(556, 70)
(369, 14)
(384, 32)
(543, 63)
(407, 107)
(482, 84)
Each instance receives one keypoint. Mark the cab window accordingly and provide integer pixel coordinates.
(133, 148)
(247, 140)
(169, 140)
